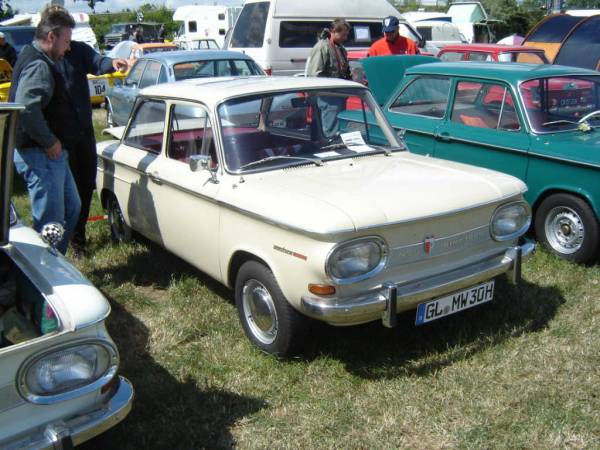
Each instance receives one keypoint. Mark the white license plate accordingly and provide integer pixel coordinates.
(98, 86)
(453, 303)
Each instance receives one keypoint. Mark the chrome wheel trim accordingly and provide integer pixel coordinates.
(116, 219)
(259, 311)
(564, 230)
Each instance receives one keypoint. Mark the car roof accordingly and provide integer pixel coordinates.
(212, 90)
(179, 56)
(153, 45)
(492, 48)
(511, 72)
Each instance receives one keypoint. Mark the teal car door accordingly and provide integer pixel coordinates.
(419, 110)
(484, 128)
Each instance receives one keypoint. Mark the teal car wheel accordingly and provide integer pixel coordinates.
(567, 226)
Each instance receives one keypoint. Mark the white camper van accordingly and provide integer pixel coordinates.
(201, 22)
(278, 34)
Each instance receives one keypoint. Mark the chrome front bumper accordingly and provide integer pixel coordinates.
(391, 298)
(81, 428)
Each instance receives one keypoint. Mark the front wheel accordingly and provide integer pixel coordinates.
(269, 321)
(119, 230)
(568, 227)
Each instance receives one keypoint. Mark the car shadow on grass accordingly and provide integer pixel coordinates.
(167, 413)
(374, 352)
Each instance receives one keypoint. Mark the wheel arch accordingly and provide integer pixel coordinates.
(582, 194)
(236, 261)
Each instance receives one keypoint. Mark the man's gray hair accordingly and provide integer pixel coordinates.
(54, 18)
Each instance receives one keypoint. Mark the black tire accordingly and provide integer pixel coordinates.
(567, 226)
(281, 330)
(119, 230)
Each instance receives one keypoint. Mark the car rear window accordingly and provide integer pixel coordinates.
(215, 68)
(249, 29)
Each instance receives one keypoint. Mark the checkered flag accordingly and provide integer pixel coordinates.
(52, 233)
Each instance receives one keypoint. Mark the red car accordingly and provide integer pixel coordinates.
(493, 52)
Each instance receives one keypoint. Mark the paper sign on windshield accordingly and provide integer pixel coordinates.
(355, 142)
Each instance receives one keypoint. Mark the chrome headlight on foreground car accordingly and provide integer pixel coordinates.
(68, 372)
(356, 260)
(510, 221)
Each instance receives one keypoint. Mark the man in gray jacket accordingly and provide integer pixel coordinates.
(47, 122)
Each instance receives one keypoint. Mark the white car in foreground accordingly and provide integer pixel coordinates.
(58, 380)
(283, 190)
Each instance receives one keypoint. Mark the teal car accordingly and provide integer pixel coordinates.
(540, 123)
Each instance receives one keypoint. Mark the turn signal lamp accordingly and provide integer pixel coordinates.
(321, 289)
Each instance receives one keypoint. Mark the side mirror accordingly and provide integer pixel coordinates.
(203, 162)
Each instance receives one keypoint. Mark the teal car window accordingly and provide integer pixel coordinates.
(484, 105)
(559, 103)
(147, 125)
(424, 96)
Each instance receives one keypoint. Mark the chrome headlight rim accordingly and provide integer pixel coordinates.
(384, 250)
(521, 231)
(109, 373)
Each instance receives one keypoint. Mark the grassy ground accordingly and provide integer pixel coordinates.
(519, 372)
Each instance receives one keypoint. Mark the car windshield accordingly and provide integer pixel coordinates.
(275, 130)
(560, 103)
(118, 28)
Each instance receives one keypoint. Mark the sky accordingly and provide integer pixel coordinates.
(112, 5)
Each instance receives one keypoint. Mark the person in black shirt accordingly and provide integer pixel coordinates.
(80, 61)
(7, 51)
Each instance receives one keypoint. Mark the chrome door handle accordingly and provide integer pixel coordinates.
(444, 137)
(154, 178)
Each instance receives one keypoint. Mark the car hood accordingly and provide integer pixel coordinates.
(354, 194)
(574, 146)
(386, 72)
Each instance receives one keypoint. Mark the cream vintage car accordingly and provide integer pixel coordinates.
(280, 189)
(58, 380)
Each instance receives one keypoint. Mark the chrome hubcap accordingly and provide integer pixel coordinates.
(259, 310)
(564, 230)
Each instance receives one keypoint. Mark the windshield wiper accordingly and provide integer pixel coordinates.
(316, 161)
(559, 122)
(376, 148)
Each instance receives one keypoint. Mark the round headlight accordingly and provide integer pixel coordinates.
(60, 374)
(510, 221)
(356, 260)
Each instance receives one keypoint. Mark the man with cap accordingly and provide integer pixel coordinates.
(7, 51)
(392, 43)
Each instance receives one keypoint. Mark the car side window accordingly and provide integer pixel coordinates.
(452, 56)
(150, 76)
(190, 133)
(424, 96)
(147, 126)
(484, 105)
(135, 74)
(162, 78)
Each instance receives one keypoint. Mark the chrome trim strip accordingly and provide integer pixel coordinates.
(565, 160)
(488, 145)
(50, 399)
(372, 305)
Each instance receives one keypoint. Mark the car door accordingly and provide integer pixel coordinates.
(419, 110)
(188, 216)
(123, 97)
(136, 161)
(485, 128)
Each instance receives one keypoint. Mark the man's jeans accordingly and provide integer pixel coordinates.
(52, 190)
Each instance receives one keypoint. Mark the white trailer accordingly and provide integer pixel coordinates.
(199, 22)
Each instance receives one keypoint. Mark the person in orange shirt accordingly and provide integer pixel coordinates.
(392, 43)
